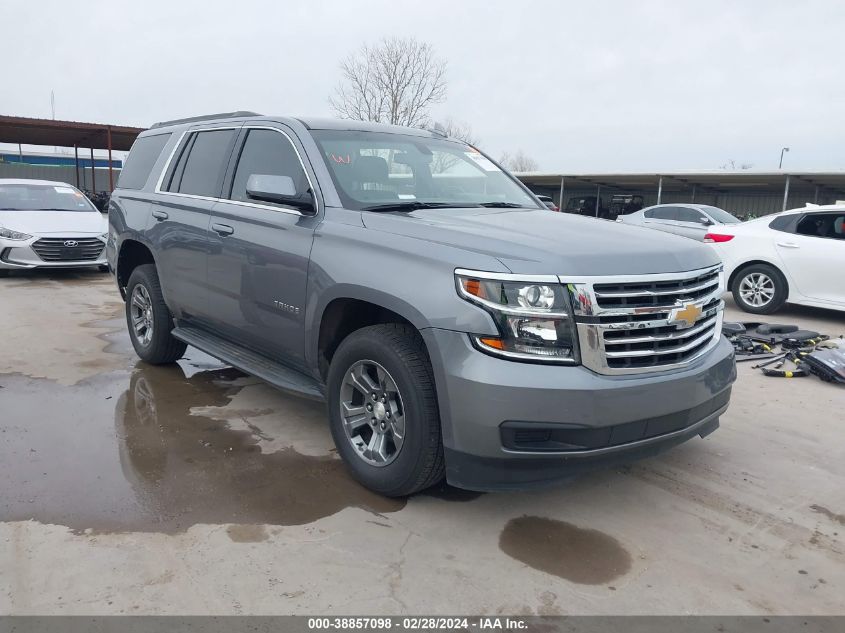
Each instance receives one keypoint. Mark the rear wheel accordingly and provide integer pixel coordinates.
(149, 320)
(760, 289)
(383, 410)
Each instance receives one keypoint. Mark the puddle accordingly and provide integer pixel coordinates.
(580, 555)
(122, 452)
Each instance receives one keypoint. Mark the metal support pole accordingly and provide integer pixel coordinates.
(598, 197)
(111, 174)
(20, 154)
(693, 194)
(785, 193)
(816, 196)
(76, 160)
(93, 174)
(560, 204)
(659, 189)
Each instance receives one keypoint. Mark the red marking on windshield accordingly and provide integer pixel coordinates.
(343, 160)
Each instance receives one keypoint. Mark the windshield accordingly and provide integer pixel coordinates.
(20, 197)
(374, 169)
(720, 215)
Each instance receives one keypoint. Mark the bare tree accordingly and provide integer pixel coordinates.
(459, 130)
(396, 81)
(731, 165)
(519, 162)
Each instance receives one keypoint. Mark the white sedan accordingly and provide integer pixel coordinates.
(797, 256)
(46, 224)
(682, 218)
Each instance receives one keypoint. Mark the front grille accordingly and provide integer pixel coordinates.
(655, 293)
(69, 249)
(634, 324)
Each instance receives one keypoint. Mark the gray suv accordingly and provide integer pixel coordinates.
(453, 325)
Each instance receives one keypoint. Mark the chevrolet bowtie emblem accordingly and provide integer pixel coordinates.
(686, 316)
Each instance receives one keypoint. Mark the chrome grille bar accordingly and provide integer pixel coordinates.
(639, 323)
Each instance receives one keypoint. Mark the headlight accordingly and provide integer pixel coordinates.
(9, 234)
(534, 319)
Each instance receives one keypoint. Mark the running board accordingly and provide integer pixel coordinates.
(276, 374)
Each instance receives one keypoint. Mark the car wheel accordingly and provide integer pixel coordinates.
(383, 410)
(760, 289)
(149, 319)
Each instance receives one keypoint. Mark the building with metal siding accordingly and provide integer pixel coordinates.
(55, 160)
(742, 193)
(60, 174)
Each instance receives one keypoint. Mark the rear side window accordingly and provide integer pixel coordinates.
(685, 214)
(269, 153)
(142, 157)
(199, 169)
(663, 213)
(782, 223)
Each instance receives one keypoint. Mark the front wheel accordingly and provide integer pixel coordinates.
(383, 410)
(149, 319)
(759, 289)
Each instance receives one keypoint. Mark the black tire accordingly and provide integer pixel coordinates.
(400, 350)
(161, 348)
(746, 276)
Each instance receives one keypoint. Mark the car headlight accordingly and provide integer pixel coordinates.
(9, 234)
(534, 318)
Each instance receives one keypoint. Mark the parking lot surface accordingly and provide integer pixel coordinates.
(194, 489)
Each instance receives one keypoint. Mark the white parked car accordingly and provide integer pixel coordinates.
(797, 256)
(46, 224)
(687, 219)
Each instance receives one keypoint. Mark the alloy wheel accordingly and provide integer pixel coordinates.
(141, 314)
(372, 412)
(757, 289)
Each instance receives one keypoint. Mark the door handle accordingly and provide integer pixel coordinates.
(788, 244)
(222, 229)
(160, 215)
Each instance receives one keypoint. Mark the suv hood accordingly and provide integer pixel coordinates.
(543, 242)
(55, 222)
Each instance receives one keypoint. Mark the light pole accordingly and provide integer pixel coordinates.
(784, 149)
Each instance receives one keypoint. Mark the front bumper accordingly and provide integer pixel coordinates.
(20, 254)
(517, 425)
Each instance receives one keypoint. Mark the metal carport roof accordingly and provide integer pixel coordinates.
(66, 133)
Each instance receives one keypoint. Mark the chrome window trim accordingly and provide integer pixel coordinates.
(178, 144)
(256, 205)
(304, 170)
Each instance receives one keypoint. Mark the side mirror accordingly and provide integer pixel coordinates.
(706, 221)
(278, 189)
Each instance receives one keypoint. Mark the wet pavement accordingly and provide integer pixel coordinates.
(193, 488)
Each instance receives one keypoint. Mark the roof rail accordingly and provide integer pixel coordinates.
(206, 117)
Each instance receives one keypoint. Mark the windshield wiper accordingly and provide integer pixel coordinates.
(502, 205)
(410, 205)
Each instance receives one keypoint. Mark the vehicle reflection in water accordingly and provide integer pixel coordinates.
(187, 469)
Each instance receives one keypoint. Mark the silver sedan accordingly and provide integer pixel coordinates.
(46, 224)
(687, 219)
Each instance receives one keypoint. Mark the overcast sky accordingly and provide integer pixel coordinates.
(579, 86)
